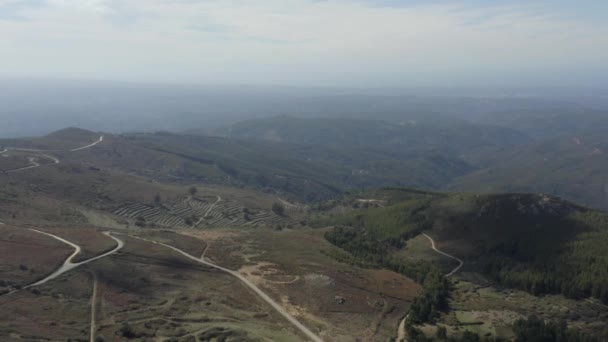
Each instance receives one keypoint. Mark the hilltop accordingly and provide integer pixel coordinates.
(64, 139)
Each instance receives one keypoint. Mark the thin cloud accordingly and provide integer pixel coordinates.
(312, 42)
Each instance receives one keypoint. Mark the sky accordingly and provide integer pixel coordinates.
(354, 43)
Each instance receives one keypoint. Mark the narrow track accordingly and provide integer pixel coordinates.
(401, 335)
(68, 265)
(88, 146)
(460, 262)
(35, 164)
(312, 336)
(219, 198)
(93, 309)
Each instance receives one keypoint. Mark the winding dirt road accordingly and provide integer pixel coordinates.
(68, 265)
(401, 335)
(460, 262)
(312, 336)
(35, 164)
(88, 146)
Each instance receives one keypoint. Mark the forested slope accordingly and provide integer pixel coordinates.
(534, 242)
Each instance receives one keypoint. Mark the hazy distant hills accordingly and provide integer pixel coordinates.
(36, 107)
(572, 166)
(451, 135)
(346, 139)
(318, 158)
(551, 152)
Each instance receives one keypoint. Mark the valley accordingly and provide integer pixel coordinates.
(303, 170)
(168, 237)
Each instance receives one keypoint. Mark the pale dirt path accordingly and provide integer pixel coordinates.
(202, 255)
(36, 150)
(35, 164)
(88, 146)
(68, 265)
(219, 198)
(55, 160)
(401, 330)
(93, 309)
(312, 336)
(460, 262)
(401, 336)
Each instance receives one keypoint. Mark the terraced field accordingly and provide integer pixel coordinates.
(200, 213)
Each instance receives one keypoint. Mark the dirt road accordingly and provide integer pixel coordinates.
(68, 264)
(93, 309)
(460, 262)
(312, 336)
(219, 198)
(88, 146)
(401, 335)
(35, 164)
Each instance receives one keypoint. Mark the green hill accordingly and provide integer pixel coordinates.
(534, 242)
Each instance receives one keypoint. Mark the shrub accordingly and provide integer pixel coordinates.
(278, 209)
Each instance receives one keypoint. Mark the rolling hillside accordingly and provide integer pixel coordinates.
(528, 149)
(306, 172)
(413, 135)
(538, 243)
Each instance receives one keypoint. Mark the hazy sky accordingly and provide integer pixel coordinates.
(308, 42)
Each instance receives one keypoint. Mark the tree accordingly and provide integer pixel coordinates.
(191, 220)
(141, 221)
(278, 209)
(193, 190)
(469, 336)
(442, 334)
(127, 331)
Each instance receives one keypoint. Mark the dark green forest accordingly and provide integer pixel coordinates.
(537, 243)
(534, 329)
